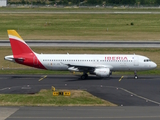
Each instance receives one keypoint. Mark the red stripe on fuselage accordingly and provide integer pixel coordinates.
(24, 55)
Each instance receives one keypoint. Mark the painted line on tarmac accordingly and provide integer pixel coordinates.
(22, 87)
(8, 88)
(134, 94)
(7, 111)
(42, 78)
(4, 89)
(120, 79)
(140, 96)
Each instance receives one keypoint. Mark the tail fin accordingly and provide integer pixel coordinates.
(22, 53)
(18, 45)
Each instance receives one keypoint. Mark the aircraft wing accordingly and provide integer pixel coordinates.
(86, 67)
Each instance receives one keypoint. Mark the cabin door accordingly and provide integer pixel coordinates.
(136, 63)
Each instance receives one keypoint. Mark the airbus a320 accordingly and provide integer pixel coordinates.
(100, 65)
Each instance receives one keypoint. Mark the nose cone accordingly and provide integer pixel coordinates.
(154, 65)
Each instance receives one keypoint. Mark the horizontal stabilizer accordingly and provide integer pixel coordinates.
(12, 59)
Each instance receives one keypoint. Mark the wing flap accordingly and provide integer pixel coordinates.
(85, 67)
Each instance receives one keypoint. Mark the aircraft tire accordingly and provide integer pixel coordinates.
(84, 76)
(135, 77)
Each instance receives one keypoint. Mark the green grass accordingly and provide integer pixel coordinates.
(82, 26)
(45, 98)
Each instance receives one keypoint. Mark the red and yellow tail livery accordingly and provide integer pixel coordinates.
(22, 53)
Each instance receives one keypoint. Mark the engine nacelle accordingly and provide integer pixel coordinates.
(102, 72)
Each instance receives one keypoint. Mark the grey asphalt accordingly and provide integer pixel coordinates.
(84, 43)
(86, 113)
(128, 92)
(136, 99)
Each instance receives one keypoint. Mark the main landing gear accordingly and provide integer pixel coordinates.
(135, 75)
(84, 76)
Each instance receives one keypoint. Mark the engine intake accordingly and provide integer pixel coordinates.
(102, 72)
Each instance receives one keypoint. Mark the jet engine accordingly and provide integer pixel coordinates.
(102, 72)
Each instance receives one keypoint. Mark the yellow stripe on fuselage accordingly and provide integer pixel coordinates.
(14, 33)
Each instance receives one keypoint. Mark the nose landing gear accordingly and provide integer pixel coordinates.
(135, 75)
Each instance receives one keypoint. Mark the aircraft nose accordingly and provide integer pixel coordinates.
(154, 65)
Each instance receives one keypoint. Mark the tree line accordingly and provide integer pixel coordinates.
(87, 2)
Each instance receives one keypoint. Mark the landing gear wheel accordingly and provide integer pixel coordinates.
(84, 76)
(135, 77)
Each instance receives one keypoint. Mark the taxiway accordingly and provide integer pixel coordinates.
(85, 43)
(129, 94)
(144, 91)
(83, 113)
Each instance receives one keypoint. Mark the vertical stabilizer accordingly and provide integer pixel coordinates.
(18, 45)
(22, 53)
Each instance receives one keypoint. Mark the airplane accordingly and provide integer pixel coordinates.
(101, 65)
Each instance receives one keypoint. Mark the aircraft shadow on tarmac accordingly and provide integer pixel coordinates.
(90, 79)
(23, 76)
(77, 78)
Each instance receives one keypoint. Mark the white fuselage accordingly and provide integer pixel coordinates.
(113, 62)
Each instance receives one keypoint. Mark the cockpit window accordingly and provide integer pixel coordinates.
(147, 60)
